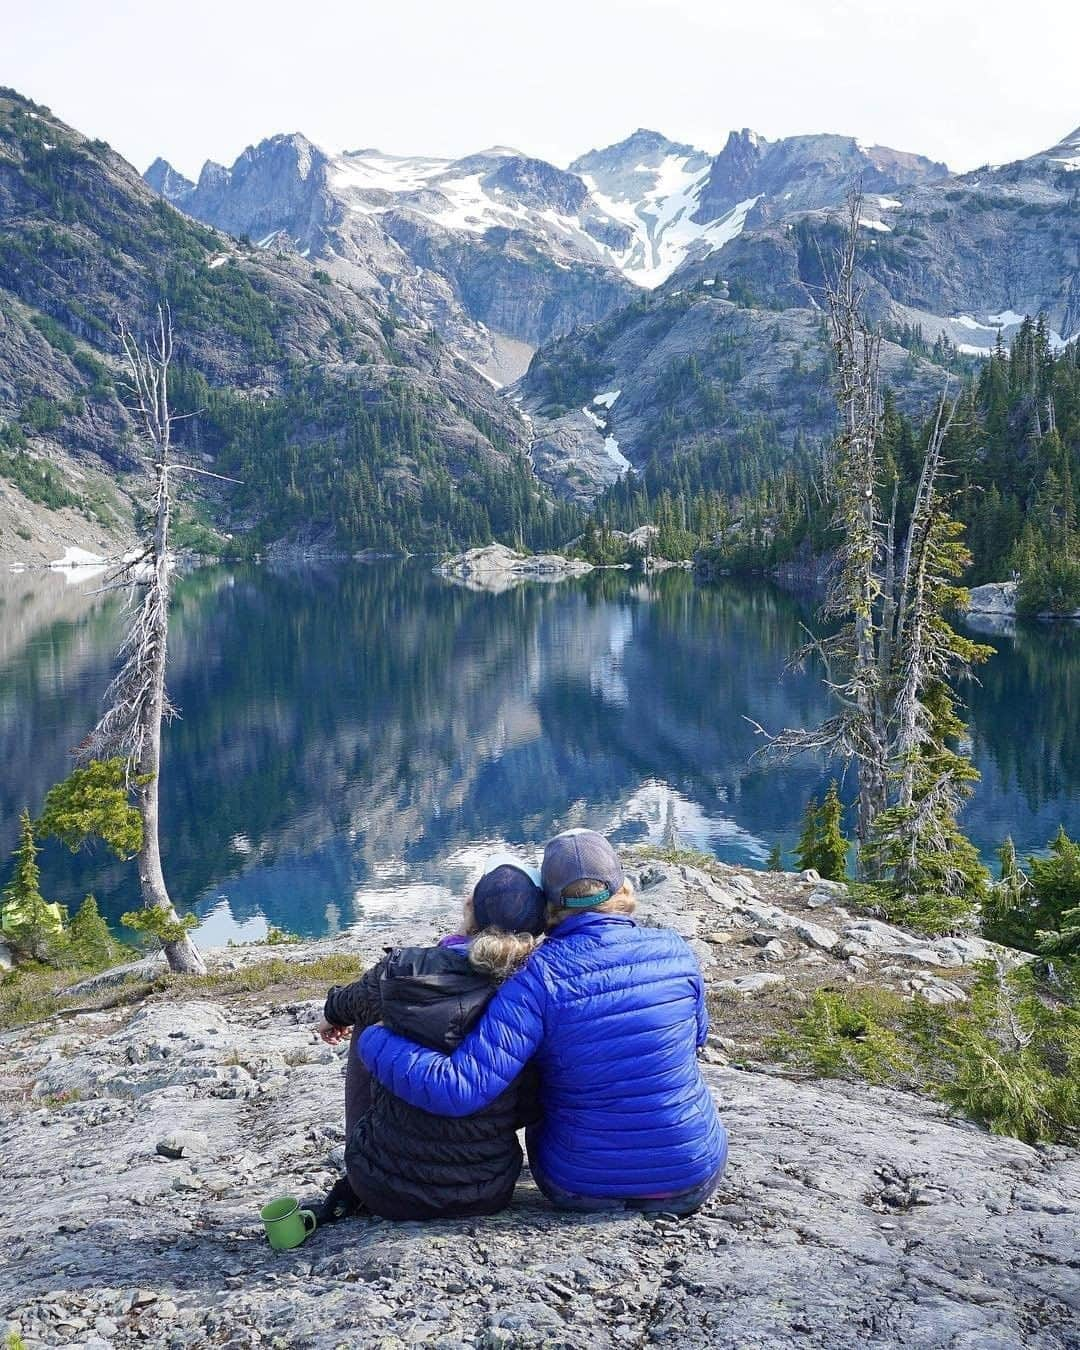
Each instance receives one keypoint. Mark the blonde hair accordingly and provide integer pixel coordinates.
(622, 902)
(500, 954)
(494, 952)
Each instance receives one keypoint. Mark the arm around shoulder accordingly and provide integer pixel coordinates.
(487, 1061)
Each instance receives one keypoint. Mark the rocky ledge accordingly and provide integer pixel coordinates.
(138, 1145)
(496, 567)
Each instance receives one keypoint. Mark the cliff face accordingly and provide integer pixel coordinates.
(689, 371)
(139, 1145)
(965, 255)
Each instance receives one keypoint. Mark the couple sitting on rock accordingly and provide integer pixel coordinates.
(553, 1011)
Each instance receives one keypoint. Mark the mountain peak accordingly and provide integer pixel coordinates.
(163, 178)
(641, 149)
(746, 136)
(212, 175)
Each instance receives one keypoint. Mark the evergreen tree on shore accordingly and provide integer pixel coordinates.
(34, 926)
(822, 845)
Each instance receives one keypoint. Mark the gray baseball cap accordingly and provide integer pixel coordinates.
(580, 855)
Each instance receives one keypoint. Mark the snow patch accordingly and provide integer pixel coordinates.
(611, 449)
(606, 400)
(656, 209)
(660, 219)
(1069, 165)
(868, 224)
(888, 203)
(218, 261)
(78, 564)
(365, 170)
(78, 557)
(267, 240)
(1006, 318)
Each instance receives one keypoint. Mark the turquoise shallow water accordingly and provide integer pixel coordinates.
(352, 740)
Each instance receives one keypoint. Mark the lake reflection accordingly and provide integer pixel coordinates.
(353, 740)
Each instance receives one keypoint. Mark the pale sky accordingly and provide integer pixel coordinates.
(970, 83)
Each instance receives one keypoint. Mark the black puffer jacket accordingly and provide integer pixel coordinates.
(401, 1161)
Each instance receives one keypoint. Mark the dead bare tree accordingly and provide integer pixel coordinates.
(888, 665)
(137, 701)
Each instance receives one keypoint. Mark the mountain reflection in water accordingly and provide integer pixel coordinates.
(353, 740)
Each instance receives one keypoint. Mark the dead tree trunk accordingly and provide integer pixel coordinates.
(858, 586)
(137, 698)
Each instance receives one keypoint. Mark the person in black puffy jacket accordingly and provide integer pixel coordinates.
(402, 1162)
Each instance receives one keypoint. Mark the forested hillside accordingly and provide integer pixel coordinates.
(1013, 460)
(344, 426)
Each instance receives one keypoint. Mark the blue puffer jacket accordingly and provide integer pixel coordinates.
(613, 1015)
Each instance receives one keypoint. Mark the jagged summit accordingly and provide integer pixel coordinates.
(163, 178)
(641, 146)
(500, 246)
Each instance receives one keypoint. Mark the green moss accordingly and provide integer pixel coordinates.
(689, 857)
(849, 1036)
(33, 994)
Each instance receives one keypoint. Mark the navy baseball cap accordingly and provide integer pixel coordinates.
(580, 855)
(508, 896)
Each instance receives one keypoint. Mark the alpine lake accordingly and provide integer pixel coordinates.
(353, 739)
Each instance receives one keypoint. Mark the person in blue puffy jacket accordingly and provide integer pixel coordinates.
(612, 1015)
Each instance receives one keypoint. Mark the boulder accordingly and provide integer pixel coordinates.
(748, 985)
(996, 597)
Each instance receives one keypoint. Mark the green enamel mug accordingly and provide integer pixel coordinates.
(287, 1225)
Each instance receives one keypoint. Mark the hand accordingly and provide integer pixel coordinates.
(330, 1033)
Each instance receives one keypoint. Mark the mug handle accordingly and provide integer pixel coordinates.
(308, 1219)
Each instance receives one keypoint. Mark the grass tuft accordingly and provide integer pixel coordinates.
(34, 994)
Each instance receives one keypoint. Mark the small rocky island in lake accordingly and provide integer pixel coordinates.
(496, 567)
(998, 599)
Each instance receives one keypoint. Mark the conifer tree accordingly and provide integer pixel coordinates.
(34, 926)
(89, 939)
(832, 846)
(822, 845)
(806, 850)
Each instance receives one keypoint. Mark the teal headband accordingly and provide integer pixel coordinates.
(585, 901)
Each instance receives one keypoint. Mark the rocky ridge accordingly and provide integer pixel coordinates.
(691, 370)
(728, 353)
(964, 256)
(139, 1144)
(500, 251)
